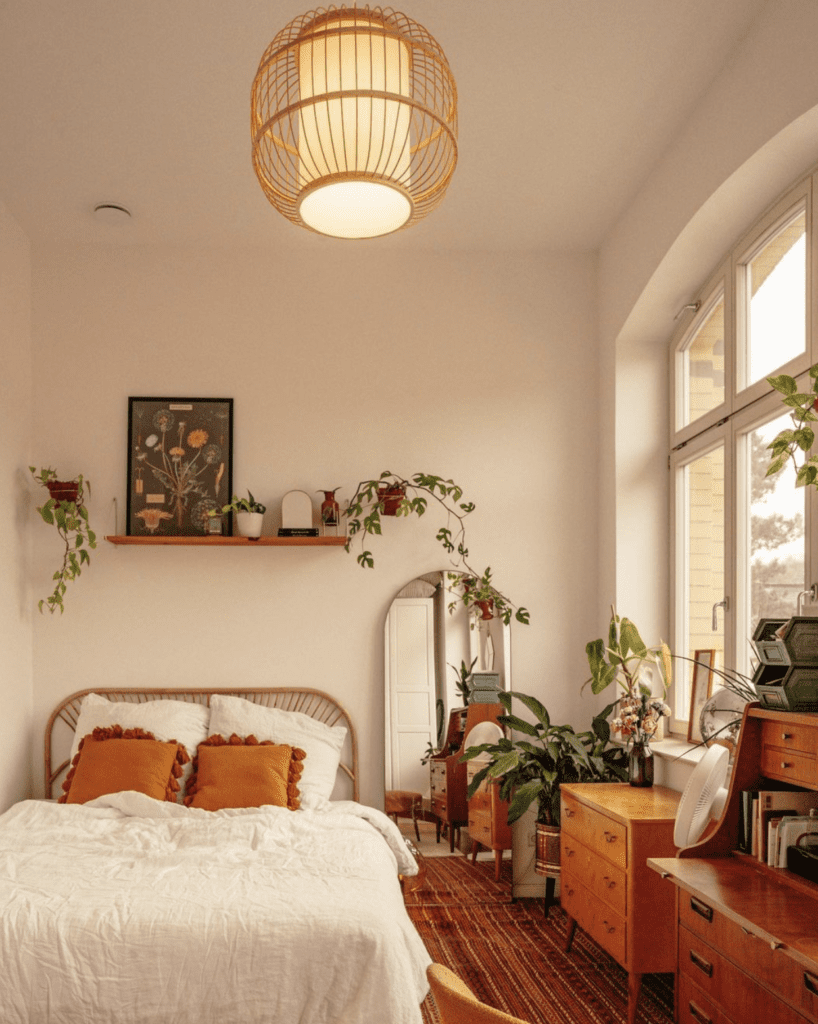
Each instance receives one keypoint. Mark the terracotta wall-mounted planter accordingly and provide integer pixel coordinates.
(63, 490)
(390, 498)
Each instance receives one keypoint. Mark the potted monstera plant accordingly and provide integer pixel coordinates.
(65, 510)
(531, 767)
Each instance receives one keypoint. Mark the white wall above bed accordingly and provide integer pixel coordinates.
(339, 368)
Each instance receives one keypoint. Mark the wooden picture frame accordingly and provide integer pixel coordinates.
(180, 464)
(700, 689)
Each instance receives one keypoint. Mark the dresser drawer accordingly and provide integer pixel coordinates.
(695, 1007)
(788, 752)
(480, 827)
(774, 968)
(796, 738)
(593, 916)
(605, 880)
(439, 807)
(727, 986)
(594, 830)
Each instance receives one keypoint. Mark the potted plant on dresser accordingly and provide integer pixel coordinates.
(65, 510)
(532, 767)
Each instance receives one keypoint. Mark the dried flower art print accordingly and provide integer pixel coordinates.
(180, 464)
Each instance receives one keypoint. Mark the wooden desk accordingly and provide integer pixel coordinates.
(608, 831)
(747, 935)
(448, 773)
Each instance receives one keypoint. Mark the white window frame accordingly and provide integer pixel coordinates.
(744, 408)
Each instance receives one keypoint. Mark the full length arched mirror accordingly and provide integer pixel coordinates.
(425, 645)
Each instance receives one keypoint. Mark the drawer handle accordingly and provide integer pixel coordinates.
(609, 837)
(697, 1013)
(786, 764)
(609, 928)
(786, 735)
(569, 852)
(699, 961)
(701, 909)
(568, 812)
(811, 983)
(570, 892)
(609, 882)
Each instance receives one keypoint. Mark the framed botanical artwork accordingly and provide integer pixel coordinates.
(180, 464)
(701, 687)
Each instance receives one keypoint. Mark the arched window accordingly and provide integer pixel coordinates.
(741, 542)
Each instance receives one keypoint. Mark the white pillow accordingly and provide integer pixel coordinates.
(322, 743)
(178, 720)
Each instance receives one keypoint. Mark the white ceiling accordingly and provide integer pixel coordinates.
(564, 108)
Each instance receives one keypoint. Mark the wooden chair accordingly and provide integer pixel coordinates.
(457, 1005)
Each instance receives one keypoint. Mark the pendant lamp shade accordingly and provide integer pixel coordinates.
(354, 122)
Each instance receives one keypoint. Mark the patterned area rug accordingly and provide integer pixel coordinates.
(513, 957)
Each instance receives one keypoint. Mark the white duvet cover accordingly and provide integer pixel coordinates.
(131, 911)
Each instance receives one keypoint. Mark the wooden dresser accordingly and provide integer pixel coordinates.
(747, 933)
(608, 831)
(488, 818)
(448, 781)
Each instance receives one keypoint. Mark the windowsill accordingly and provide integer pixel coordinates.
(673, 748)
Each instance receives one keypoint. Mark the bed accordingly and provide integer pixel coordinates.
(132, 909)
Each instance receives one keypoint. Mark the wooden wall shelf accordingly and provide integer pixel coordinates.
(240, 542)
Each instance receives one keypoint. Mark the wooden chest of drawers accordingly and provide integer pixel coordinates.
(607, 833)
(488, 818)
(748, 934)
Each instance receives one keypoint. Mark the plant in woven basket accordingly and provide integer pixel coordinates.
(532, 767)
(65, 510)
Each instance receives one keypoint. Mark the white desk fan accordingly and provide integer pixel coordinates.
(704, 797)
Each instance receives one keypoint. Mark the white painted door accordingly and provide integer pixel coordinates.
(410, 693)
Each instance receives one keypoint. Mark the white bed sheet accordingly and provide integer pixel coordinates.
(131, 911)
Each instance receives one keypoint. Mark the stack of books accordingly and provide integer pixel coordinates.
(772, 819)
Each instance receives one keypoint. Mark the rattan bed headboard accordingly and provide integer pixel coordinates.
(315, 703)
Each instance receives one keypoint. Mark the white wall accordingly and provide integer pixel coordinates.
(480, 369)
(15, 595)
(753, 133)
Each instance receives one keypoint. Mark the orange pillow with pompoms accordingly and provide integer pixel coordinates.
(114, 759)
(244, 773)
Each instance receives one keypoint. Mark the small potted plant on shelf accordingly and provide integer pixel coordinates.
(250, 515)
(530, 769)
(65, 510)
(391, 494)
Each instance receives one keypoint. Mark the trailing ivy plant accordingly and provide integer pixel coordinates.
(790, 443)
(70, 518)
(394, 495)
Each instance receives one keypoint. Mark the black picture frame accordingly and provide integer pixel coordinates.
(180, 464)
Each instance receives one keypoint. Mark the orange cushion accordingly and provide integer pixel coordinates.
(113, 760)
(244, 773)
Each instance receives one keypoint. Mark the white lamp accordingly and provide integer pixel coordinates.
(354, 122)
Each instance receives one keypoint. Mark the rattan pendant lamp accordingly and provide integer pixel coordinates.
(354, 122)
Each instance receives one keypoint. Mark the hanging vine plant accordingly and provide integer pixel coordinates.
(393, 495)
(65, 510)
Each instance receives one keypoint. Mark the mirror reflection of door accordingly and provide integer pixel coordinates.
(425, 645)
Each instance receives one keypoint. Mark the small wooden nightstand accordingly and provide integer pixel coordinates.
(608, 831)
(488, 818)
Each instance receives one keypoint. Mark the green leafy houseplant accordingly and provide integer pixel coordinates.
(393, 495)
(532, 768)
(248, 504)
(70, 518)
(622, 661)
(462, 679)
(787, 445)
